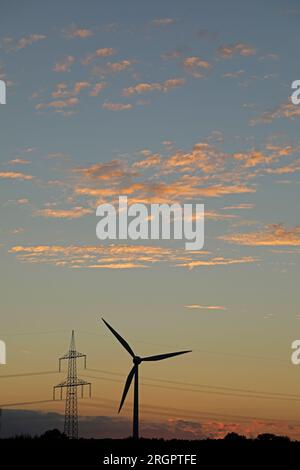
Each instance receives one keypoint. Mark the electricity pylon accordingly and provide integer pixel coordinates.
(71, 384)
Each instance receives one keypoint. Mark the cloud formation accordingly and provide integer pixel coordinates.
(117, 106)
(239, 48)
(102, 52)
(195, 66)
(22, 43)
(64, 65)
(13, 175)
(285, 110)
(75, 32)
(205, 307)
(142, 88)
(118, 256)
(270, 235)
(73, 213)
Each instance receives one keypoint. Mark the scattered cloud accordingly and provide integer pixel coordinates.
(285, 110)
(75, 32)
(119, 256)
(205, 307)
(23, 201)
(239, 48)
(242, 206)
(163, 21)
(64, 65)
(73, 213)
(112, 68)
(235, 74)
(12, 175)
(97, 88)
(114, 169)
(150, 160)
(165, 86)
(195, 66)
(113, 256)
(117, 106)
(19, 161)
(64, 97)
(270, 235)
(102, 52)
(219, 261)
(15, 46)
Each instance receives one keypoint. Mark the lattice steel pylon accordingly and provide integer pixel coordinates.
(71, 384)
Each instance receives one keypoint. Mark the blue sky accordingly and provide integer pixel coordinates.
(164, 102)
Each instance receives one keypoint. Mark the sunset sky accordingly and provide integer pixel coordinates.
(162, 101)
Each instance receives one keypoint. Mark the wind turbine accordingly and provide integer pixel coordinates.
(137, 360)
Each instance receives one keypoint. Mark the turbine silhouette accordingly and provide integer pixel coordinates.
(137, 360)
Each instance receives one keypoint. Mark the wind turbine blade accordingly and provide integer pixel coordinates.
(159, 357)
(119, 338)
(127, 386)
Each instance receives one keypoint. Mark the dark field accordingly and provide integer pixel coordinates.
(234, 451)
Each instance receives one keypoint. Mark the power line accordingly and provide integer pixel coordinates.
(214, 415)
(210, 388)
(200, 391)
(259, 392)
(198, 385)
(201, 351)
(24, 403)
(28, 374)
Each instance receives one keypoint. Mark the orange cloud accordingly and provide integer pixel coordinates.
(220, 261)
(97, 88)
(73, 32)
(120, 256)
(14, 175)
(63, 103)
(271, 235)
(241, 206)
(151, 160)
(113, 256)
(112, 67)
(23, 201)
(19, 161)
(195, 66)
(65, 65)
(103, 52)
(203, 171)
(74, 213)
(80, 86)
(227, 51)
(64, 97)
(285, 110)
(115, 169)
(24, 42)
(142, 88)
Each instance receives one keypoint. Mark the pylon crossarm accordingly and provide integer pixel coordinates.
(72, 355)
(74, 383)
